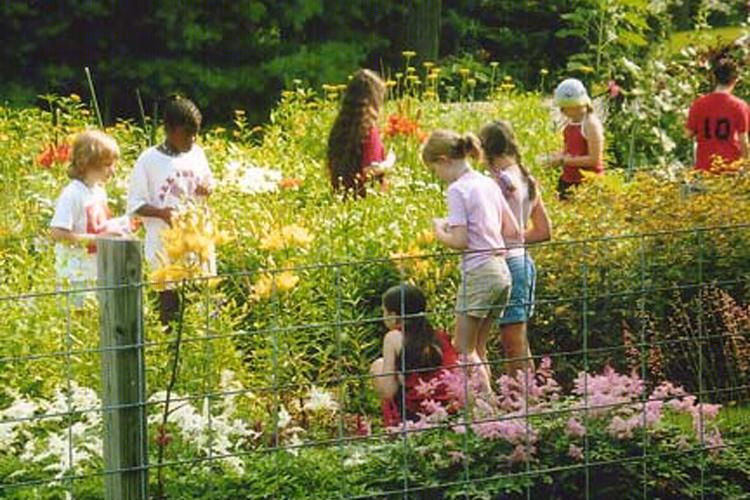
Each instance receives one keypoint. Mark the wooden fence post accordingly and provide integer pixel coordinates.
(123, 371)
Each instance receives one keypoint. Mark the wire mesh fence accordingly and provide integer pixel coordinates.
(261, 388)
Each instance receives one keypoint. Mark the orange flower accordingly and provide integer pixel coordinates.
(54, 154)
(290, 183)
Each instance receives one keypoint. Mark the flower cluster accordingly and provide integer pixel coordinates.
(188, 246)
(403, 125)
(268, 283)
(53, 153)
(287, 236)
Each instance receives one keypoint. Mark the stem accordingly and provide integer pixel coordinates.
(170, 386)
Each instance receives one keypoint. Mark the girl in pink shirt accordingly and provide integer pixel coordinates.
(478, 221)
(354, 146)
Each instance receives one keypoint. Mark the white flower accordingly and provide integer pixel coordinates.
(284, 418)
(318, 399)
(252, 179)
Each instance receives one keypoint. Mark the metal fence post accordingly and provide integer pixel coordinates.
(123, 380)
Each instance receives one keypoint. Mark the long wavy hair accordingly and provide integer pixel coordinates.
(498, 140)
(421, 349)
(361, 104)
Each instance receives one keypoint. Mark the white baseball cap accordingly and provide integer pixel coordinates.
(571, 92)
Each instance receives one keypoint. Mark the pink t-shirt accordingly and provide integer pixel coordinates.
(475, 201)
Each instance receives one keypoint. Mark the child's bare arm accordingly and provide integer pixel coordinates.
(67, 236)
(386, 382)
(164, 214)
(541, 229)
(456, 237)
(594, 134)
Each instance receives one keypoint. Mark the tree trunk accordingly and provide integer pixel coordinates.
(423, 28)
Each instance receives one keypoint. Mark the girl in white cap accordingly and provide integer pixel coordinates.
(583, 136)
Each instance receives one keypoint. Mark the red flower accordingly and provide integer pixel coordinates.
(613, 89)
(46, 157)
(53, 154)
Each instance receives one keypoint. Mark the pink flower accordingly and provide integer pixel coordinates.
(521, 454)
(575, 452)
(456, 457)
(613, 89)
(574, 428)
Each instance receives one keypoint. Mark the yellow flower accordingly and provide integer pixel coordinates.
(408, 54)
(464, 72)
(426, 236)
(292, 235)
(268, 284)
(272, 242)
(428, 64)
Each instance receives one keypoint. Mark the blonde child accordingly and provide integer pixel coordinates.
(478, 222)
(583, 136)
(502, 156)
(355, 152)
(81, 211)
(164, 176)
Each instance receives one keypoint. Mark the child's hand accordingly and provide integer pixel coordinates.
(441, 226)
(165, 214)
(551, 160)
(202, 190)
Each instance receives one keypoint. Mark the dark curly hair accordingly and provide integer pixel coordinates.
(361, 103)
(182, 112)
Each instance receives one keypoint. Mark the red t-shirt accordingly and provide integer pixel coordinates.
(413, 398)
(576, 145)
(717, 119)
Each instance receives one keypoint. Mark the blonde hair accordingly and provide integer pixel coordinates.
(449, 144)
(91, 149)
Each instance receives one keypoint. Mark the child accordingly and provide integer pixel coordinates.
(503, 158)
(719, 121)
(583, 136)
(412, 354)
(81, 211)
(164, 176)
(355, 152)
(479, 219)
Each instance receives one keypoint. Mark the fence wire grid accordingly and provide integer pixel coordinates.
(640, 387)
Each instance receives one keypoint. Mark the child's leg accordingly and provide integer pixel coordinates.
(467, 330)
(169, 305)
(516, 347)
(483, 333)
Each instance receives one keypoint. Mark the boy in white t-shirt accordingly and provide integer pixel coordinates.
(81, 211)
(164, 176)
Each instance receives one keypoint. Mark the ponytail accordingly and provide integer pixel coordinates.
(449, 144)
(497, 139)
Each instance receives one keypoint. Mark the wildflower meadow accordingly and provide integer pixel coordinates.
(640, 334)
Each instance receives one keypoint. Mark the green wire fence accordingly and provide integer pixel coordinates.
(631, 359)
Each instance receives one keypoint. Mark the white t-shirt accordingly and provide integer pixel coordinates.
(80, 209)
(475, 201)
(162, 181)
(515, 188)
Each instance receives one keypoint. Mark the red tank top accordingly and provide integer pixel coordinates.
(413, 398)
(576, 145)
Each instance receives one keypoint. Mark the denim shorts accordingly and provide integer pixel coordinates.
(484, 290)
(521, 303)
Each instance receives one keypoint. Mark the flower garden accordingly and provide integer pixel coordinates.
(642, 323)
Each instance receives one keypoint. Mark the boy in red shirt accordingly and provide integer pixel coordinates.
(719, 121)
